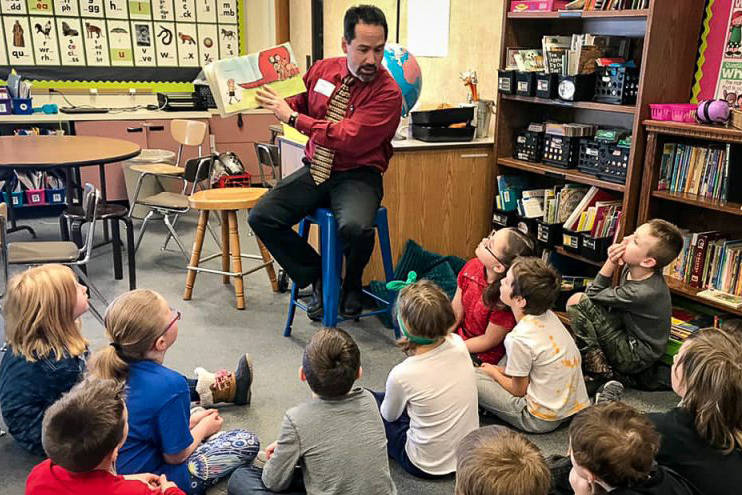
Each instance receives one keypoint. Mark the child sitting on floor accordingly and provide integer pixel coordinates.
(164, 437)
(495, 460)
(82, 434)
(482, 320)
(702, 437)
(431, 397)
(541, 386)
(613, 448)
(337, 437)
(46, 351)
(624, 329)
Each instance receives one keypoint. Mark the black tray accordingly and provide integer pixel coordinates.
(437, 134)
(443, 117)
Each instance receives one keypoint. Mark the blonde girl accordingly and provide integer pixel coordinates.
(430, 402)
(164, 438)
(702, 437)
(482, 319)
(46, 351)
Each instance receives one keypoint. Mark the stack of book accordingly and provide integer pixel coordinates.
(594, 197)
(509, 191)
(699, 170)
(579, 53)
(531, 204)
(560, 201)
(709, 260)
(680, 330)
(601, 219)
(616, 4)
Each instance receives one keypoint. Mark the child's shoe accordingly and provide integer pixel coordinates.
(611, 391)
(225, 386)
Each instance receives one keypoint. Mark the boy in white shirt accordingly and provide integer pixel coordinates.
(542, 385)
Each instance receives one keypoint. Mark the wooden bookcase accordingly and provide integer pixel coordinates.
(669, 30)
(686, 210)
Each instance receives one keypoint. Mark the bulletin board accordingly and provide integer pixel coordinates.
(119, 43)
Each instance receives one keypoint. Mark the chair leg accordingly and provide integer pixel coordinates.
(198, 242)
(64, 228)
(170, 227)
(146, 220)
(225, 246)
(234, 249)
(77, 239)
(331, 263)
(118, 270)
(169, 235)
(267, 258)
(214, 236)
(130, 251)
(92, 288)
(135, 197)
(96, 313)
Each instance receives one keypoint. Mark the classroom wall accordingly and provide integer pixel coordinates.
(300, 30)
(260, 24)
(474, 43)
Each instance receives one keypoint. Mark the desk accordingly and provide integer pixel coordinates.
(43, 152)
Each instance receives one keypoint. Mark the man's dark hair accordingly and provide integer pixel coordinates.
(85, 425)
(331, 361)
(367, 14)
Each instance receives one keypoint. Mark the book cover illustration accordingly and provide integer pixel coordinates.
(235, 81)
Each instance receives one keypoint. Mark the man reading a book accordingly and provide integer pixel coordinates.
(350, 112)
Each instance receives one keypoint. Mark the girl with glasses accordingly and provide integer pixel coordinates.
(164, 437)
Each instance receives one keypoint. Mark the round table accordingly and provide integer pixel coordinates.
(66, 152)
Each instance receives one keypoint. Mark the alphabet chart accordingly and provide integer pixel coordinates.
(118, 33)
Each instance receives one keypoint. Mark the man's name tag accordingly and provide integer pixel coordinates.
(324, 87)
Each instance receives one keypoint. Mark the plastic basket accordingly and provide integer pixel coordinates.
(241, 180)
(35, 197)
(55, 196)
(678, 112)
(16, 196)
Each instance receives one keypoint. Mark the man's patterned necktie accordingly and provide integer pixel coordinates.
(323, 157)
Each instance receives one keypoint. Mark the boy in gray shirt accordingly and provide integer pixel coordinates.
(333, 444)
(622, 331)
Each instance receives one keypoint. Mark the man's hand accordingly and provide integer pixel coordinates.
(269, 450)
(149, 479)
(270, 100)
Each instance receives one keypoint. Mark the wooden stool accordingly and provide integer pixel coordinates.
(227, 201)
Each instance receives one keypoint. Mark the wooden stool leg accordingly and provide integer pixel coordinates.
(234, 250)
(267, 258)
(225, 246)
(198, 242)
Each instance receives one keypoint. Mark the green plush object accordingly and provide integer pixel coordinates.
(443, 270)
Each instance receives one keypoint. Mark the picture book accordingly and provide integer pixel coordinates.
(719, 63)
(235, 81)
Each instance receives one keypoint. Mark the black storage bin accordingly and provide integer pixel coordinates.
(561, 151)
(588, 159)
(528, 226)
(546, 85)
(506, 81)
(549, 234)
(204, 92)
(529, 146)
(618, 85)
(571, 240)
(525, 83)
(594, 248)
(580, 87)
(613, 163)
(502, 218)
(434, 134)
(443, 117)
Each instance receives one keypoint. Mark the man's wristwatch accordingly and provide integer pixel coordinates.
(292, 119)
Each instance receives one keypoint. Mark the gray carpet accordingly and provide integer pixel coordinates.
(213, 334)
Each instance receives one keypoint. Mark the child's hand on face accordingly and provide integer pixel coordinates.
(616, 252)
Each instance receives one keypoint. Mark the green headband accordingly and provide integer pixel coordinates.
(398, 285)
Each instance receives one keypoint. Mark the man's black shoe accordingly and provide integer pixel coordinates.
(351, 304)
(314, 308)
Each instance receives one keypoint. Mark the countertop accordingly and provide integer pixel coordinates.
(114, 115)
(415, 144)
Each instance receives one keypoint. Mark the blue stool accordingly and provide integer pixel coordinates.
(331, 249)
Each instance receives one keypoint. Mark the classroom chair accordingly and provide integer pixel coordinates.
(268, 157)
(64, 252)
(331, 250)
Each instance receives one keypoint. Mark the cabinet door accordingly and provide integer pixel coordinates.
(159, 137)
(130, 130)
(255, 128)
(440, 199)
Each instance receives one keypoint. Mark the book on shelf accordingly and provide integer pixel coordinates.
(235, 81)
(699, 170)
(531, 204)
(731, 300)
(592, 196)
(509, 189)
(709, 260)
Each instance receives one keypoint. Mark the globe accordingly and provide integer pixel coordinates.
(403, 67)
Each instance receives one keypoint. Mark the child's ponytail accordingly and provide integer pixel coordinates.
(518, 244)
(133, 323)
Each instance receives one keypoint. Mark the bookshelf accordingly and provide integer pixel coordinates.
(688, 211)
(668, 32)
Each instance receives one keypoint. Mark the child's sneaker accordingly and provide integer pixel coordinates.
(225, 386)
(611, 391)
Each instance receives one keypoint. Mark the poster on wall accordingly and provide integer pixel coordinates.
(117, 40)
(719, 66)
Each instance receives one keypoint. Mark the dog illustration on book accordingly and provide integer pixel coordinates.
(186, 38)
(91, 29)
(274, 65)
